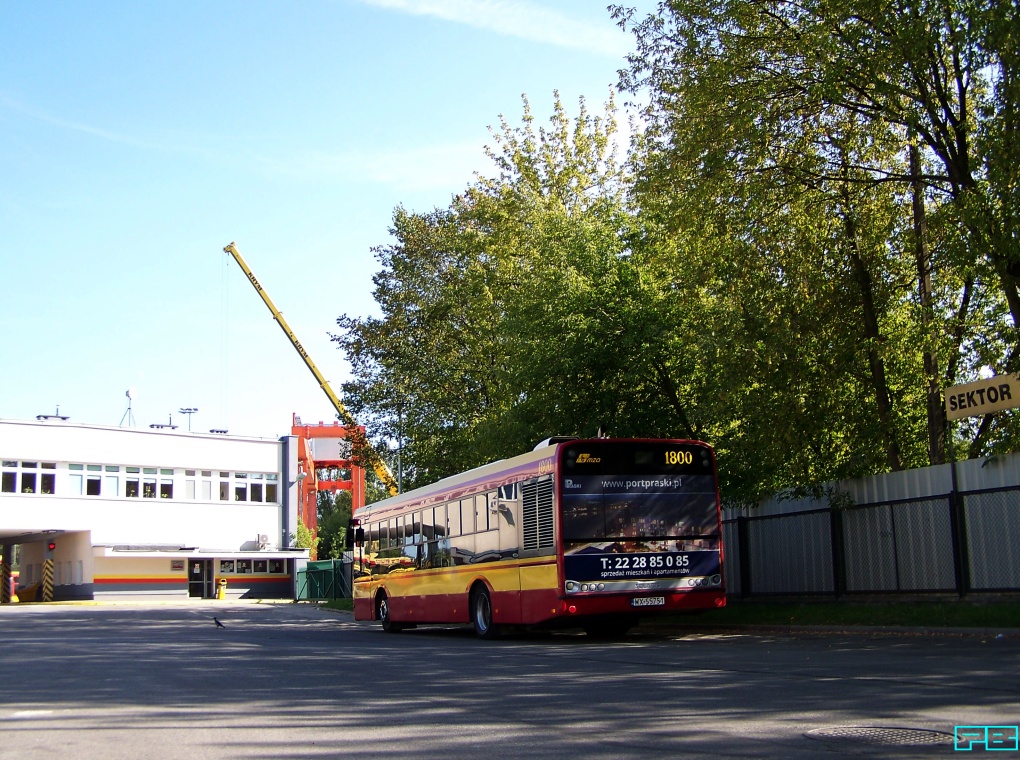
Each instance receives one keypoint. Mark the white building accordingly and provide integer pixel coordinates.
(143, 512)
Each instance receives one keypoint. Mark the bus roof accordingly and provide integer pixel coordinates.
(483, 478)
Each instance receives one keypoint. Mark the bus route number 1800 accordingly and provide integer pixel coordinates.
(679, 457)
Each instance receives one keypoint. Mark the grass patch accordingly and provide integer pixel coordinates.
(915, 614)
(339, 604)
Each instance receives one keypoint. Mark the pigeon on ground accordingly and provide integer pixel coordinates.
(218, 623)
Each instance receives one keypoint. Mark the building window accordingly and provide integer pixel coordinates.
(112, 485)
(226, 565)
(23, 477)
(149, 488)
(261, 566)
(224, 491)
(166, 489)
(207, 490)
(244, 566)
(276, 565)
(189, 489)
(256, 491)
(92, 484)
(131, 487)
(241, 492)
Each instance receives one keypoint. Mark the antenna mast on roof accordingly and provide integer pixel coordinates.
(128, 414)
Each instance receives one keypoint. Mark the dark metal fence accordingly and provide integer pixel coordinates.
(958, 543)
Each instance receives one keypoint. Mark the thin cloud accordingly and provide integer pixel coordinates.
(165, 143)
(75, 126)
(519, 18)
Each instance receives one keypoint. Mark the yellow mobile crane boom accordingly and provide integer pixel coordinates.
(360, 442)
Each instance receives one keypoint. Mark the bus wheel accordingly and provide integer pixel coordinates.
(382, 612)
(481, 613)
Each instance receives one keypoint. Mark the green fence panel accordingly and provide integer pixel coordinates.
(324, 579)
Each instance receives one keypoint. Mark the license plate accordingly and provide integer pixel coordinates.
(648, 601)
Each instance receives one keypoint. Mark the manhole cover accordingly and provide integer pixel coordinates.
(881, 735)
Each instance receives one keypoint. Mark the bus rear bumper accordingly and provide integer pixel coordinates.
(617, 604)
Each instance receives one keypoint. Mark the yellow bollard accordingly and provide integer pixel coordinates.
(221, 589)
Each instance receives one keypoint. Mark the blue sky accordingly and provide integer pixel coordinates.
(137, 139)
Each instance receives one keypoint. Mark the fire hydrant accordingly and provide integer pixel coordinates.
(221, 590)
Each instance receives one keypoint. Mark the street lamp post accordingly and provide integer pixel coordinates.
(188, 410)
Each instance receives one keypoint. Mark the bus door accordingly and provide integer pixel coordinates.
(504, 513)
(200, 578)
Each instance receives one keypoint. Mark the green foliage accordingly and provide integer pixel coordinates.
(303, 538)
(500, 315)
(814, 232)
(777, 152)
(334, 514)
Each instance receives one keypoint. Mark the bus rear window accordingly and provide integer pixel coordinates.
(637, 492)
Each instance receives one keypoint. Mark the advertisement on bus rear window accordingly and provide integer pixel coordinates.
(594, 563)
(635, 515)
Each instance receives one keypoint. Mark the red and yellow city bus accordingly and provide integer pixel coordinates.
(584, 533)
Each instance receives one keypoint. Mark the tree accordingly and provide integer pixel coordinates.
(759, 105)
(304, 538)
(334, 515)
(496, 311)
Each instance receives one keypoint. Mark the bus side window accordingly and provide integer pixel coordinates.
(412, 537)
(428, 525)
(427, 538)
(418, 527)
(467, 515)
(482, 511)
(442, 528)
(453, 510)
